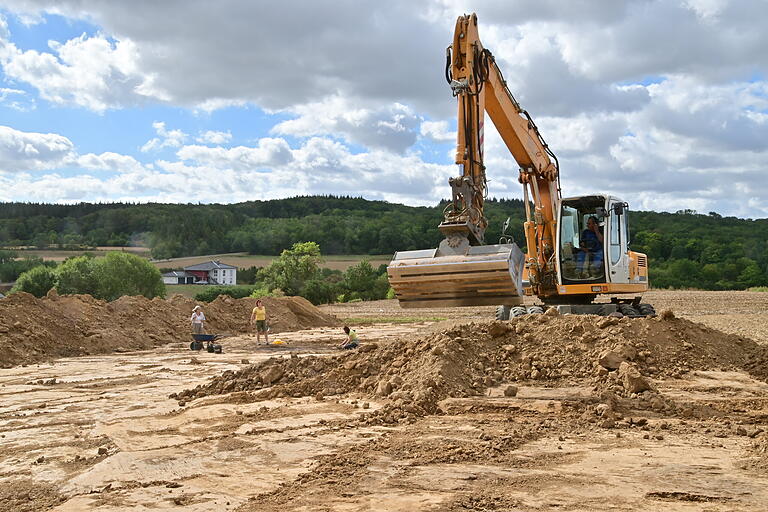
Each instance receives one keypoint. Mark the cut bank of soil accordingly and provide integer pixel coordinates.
(33, 329)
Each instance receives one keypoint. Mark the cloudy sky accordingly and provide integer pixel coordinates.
(663, 103)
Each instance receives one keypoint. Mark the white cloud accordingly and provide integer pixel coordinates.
(6, 91)
(214, 137)
(109, 162)
(24, 151)
(16, 99)
(90, 72)
(167, 138)
(269, 152)
(663, 103)
(437, 131)
(393, 127)
(304, 53)
(271, 169)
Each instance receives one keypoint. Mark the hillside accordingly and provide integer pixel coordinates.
(686, 249)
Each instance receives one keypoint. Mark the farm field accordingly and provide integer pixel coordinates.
(60, 254)
(243, 260)
(238, 259)
(423, 418)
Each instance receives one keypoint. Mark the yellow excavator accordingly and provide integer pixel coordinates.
(577, 248)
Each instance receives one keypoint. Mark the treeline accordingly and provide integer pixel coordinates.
(340, 225)
(686, 249)
(710, 252)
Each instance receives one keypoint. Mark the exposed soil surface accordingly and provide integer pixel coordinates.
(544, 412)
(34, 329)
(742, 313)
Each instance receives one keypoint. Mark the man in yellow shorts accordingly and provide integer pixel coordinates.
(259, 317)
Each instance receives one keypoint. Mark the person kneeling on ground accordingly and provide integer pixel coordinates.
(351, 341)
(259, 317)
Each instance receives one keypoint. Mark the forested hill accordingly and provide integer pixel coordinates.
(686, 249)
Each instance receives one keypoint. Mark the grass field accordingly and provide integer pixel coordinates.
(237, 259)
(61, 255)
(243, 260)
(187, 290)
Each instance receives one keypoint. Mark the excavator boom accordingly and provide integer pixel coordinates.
(462, 271)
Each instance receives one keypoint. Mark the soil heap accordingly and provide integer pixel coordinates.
(615, 356)
(33, 329)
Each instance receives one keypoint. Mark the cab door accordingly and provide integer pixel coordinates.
(617, 248)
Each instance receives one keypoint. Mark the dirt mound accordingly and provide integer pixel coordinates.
(24, 495)
(757, 454)
(226, 314)
(757, 364)
(34, 329)
(615, 355)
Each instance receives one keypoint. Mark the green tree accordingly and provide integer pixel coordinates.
(110, 277)
(122, 273)
(293, 268)
(319, 291)
(751, 276)
(78, 275)
(37, 281)
(362, 281)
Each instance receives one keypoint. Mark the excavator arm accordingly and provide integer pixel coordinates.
(479, 87)
(463, 270)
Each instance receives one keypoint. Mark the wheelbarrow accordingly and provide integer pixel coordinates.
(209, 339)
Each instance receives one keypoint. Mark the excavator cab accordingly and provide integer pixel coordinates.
(593, 240)
(582, 240)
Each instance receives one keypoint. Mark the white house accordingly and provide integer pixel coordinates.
(212, 272)
(178, 277)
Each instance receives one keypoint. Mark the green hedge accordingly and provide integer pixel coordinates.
(236, 292)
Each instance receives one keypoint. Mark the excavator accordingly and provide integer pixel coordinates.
(577, 248)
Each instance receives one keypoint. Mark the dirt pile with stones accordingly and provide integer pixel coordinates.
(756, 456)
(616, 356)
(33, 329)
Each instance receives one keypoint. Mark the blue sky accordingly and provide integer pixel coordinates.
(171, 101)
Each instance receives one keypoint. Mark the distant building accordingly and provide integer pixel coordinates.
(210, 272)
(178, 277)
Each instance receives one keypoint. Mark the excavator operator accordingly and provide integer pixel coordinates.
(590, 256)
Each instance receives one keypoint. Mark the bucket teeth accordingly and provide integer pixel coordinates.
(486, 275)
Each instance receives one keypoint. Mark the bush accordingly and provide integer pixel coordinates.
(362, 281)
(36, 281)
(210, 293)
(319, 291)
(110, 277)
(78, 275)
(122, 273)
(11, 268)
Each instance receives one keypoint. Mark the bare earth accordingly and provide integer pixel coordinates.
(100, 432)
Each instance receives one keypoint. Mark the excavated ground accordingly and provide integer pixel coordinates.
(540, 413)
(33, 330)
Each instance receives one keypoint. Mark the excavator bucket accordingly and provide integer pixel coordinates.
(484, 275)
